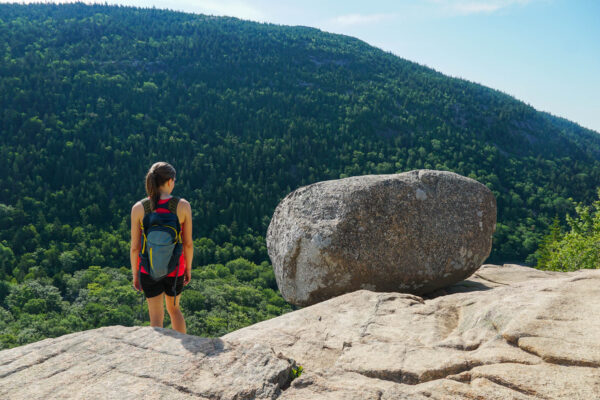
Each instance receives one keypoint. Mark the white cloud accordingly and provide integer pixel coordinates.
(360, 19)
(462, 7)
(476, 8)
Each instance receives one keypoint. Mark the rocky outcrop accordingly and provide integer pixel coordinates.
(508, 332)
(141, 363)
(413, 232)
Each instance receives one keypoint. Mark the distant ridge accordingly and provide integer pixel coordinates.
(91, 95)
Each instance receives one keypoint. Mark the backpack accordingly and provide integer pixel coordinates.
(162, 245)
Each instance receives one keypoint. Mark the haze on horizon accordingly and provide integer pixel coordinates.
(543, 52)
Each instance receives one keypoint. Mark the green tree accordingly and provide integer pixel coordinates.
(578, 247)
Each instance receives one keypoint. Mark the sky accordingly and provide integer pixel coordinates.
(543, 52)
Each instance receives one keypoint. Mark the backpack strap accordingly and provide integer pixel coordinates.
(147, 206)
(172, 205)
(147, 210)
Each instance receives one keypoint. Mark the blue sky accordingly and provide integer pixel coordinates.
(543, 52)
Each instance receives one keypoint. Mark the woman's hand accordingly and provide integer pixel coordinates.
(187, 277)
(136, 283)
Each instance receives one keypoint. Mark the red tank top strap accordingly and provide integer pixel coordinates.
(162, 206)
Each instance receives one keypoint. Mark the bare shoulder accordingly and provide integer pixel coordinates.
(184, 201)
(137, 208)
(183, 205)
(137, 211)
(184, 210)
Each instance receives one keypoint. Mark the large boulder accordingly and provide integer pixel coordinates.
(413, 232)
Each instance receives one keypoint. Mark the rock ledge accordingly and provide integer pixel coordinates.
(507, 332)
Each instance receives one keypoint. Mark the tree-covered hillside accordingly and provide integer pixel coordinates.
(91, 96)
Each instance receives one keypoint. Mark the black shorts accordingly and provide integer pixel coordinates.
(153, 288)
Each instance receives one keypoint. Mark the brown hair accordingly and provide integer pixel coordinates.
(157, 175)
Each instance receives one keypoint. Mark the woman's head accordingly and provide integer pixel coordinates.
(158, 174)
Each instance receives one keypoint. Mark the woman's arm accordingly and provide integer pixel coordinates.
(137, 213)
(185, 210)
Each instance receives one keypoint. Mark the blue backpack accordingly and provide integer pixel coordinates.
(162, 245)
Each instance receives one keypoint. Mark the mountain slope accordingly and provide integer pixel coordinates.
(92, 95)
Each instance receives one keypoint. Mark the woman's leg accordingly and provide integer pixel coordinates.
(156, 309)
(177, 321)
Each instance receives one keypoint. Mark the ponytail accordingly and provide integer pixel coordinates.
(152, 189)
(157, 175)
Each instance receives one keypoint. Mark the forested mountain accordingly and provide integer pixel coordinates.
(91, 96)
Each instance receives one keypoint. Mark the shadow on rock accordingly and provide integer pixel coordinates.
(210, 347)
(460, 287)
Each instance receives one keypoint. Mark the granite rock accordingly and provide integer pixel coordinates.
(413, 232)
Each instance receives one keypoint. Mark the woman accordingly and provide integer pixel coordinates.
(160, 182)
